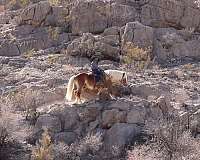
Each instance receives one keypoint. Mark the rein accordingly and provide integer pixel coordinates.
(122, 77)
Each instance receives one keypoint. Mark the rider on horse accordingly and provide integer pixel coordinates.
(98, 72)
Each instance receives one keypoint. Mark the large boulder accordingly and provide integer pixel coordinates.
(96, 16)
(88, 114)
(110, 117)
(9, 48)
(49, 122)
(137, 115)
(26, 39)
(94, 46)
(120, 135)
(89, 17)
(65, 137)
(139, 34)
(164, 13)
(172, 44)
(68, 116)
(43, 14)
(59, 16)
(34, 14)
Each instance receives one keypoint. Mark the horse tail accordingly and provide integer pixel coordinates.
(70, 88)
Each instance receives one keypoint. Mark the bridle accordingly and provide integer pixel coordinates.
(122, 78)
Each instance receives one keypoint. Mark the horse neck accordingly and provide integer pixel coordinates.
(118, 75)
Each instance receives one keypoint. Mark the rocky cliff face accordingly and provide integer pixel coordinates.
(166, 26)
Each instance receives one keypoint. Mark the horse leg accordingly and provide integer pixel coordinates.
(76, 95)
(79, 96)
(79, 89)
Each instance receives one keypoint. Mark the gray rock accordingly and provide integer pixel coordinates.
(146, 90)
(8, 48)
(68, 115)
(153, 14)
(170, 44)
(57, 16)
(89, 114)
(65, 137)
(94, 46)
(139, 34)
(96, 16)
(137, 115)
(49, 122)
(111, 31)
(120, 135)
(110, 117)
(34, 14)
(87, 17)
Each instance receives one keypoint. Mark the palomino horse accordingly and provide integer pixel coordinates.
(118, 77)
(78, 82)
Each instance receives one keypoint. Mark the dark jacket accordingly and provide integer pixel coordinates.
(98, 72)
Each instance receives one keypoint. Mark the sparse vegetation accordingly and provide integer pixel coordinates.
(170, 141)
(138, 57)
(86, 148)
(30, 53)
(5, 121)
(185, 147)
(26, 101)
(52, 59)
(53, 33)
(54, 2)
(9, 130)
(43, 149)
(45, 42)
(24, 2)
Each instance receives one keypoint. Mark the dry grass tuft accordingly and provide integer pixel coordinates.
(43, 150)
(83, 149)
(138, 57)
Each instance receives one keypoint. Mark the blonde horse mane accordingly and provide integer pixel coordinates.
(116, 75)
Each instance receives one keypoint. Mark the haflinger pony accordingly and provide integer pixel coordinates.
(84, 80)
(87, 80)
(117, 77)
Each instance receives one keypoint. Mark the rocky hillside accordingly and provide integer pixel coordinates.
(44, 43)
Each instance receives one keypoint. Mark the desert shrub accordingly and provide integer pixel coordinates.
(4, 135)
(26, 101)
(28, 54)
(42, 151)
(183, 148)
(5, 121)
(54, 2)
(90, 144)
(52, 59)
(82, 149)
(144, 152)
(53, 33)
(136, 56)
(170, 141)
(12, 130)
(61, 151)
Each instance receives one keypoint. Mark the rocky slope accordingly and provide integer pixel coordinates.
(151, 95)
(43, 45)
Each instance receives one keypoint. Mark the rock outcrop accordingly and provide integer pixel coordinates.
(91, 46)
